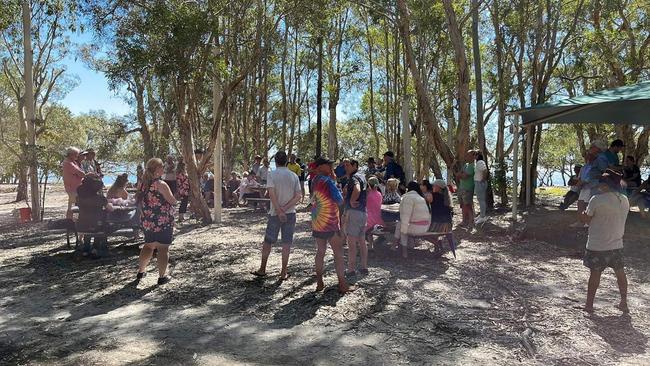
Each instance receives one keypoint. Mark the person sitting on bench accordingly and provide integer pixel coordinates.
(93, 207)
(574, 192)
(414, 217)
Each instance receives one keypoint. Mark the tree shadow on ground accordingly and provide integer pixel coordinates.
(114, 300)
(619, 333)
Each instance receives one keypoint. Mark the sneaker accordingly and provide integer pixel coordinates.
(364, 271)
(163, 280)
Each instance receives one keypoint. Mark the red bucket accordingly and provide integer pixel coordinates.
(25, 214)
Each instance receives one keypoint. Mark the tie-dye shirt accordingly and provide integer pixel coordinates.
(325, 205)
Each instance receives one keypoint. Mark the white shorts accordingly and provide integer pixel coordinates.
(585, 195)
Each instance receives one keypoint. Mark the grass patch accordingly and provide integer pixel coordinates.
(552, 191)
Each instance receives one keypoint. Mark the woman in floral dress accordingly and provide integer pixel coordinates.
(157, 219)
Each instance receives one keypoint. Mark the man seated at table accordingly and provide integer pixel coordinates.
(641, 197)
(93, 209)
(574, 192)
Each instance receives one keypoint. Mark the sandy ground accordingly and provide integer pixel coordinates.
(508, 298)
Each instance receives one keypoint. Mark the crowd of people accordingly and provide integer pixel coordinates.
(351, 204)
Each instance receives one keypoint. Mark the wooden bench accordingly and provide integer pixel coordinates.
(388, 232)
(264, 203)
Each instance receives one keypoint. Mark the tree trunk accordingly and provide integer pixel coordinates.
(373, 120)
(29, 111)
(460, 58)
(421, 90)
(319, 100)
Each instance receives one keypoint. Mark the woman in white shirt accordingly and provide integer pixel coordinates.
(414, 217)
(480, 186)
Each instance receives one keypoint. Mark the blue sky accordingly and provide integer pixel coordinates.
(92, 91)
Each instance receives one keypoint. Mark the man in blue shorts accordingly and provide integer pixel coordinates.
(284, 191)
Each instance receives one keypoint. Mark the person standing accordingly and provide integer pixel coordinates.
(373, 209)
(372, 167)
(284, 190)
(170, 173)
(606, 215)
(257, 165)
(182, 189)
(393, 170)
(90, 165)
(612, 153)
(264, 171)
(301, 178)
(480, 186)
(356, 217)
(325, 221)
(73, 174)
(158, 209)
(466, 189)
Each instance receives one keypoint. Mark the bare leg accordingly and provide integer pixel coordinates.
(337, 247)
(320, 258)
(286, 250)
(145, 256)
(594, 282)
(621, 279)
(470, 214)
(363, 252)
(163, 259)
(352, 253)
(266, 251)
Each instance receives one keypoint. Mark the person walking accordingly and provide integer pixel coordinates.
(466, 189)
(170, 173)
(356, 217)
(325, 222)
(182, 189)
(606, 215)
(158, 203)
(480, 186)
(284, 190)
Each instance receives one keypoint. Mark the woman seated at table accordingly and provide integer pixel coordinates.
(93, 207)
(391, 197)
(249, 187)
(118, 189)
(415, 218)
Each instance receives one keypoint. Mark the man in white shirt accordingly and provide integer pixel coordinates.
(606, 214)
(480, 186)
(284, 190)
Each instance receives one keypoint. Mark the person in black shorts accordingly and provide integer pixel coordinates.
(158, 208)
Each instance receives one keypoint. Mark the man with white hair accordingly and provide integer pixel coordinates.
(595, 165)
(73, 174)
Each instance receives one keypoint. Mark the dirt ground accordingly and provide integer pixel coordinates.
(508, 298)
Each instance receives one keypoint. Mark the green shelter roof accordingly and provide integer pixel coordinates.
(623, 105)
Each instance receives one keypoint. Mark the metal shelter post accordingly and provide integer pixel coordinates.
(515, 168)
(529, 165)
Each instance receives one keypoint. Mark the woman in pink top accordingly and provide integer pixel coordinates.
(373, 208)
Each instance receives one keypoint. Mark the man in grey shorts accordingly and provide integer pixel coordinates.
(355, 217)
(284, 191)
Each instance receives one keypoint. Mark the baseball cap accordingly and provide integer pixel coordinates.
(322, 160)
(617, 143)
(612, 178)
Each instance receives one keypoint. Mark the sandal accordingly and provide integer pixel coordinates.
(256, 273)
(164, 280)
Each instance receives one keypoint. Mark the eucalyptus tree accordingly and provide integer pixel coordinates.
(34, 43)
